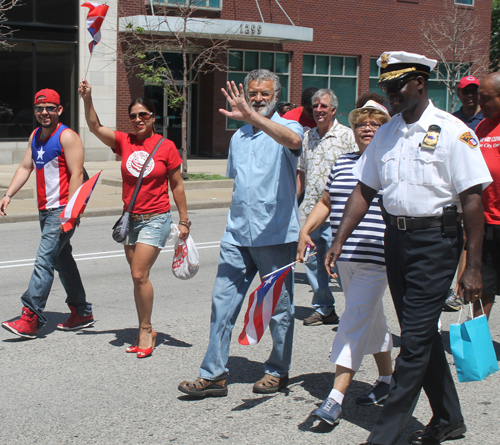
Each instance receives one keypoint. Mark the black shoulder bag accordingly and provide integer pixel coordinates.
(120, 229)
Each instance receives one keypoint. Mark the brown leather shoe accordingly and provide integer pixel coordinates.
(204, 388)
(270, 384)
(316, 318)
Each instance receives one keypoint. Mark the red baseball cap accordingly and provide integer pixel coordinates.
(466, 81)
(47, 95)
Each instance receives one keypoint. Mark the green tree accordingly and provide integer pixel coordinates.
(454, 38)
(144, 53)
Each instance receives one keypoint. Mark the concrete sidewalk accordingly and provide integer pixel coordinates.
(106, 198)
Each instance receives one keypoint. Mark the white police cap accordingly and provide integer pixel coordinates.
(398, 64)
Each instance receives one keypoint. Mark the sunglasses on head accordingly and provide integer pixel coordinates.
(142, 115)
(49, 108)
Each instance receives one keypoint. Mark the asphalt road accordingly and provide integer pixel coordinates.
(82, 388)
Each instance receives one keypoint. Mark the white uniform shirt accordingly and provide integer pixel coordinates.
(317, 159)
(417, 181)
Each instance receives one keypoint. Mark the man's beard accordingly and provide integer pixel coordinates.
(264, 111)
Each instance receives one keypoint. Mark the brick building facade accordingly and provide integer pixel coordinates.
(362, 29)
(334, 44)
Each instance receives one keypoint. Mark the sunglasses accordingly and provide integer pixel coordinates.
(49, 109)
(396, 85)
(370, 125)
(142, 115)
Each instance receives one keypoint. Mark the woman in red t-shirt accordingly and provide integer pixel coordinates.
(150, 218)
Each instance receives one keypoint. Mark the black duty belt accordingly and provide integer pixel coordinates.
(409, 223)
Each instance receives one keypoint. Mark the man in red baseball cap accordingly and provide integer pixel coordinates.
(55, 152)
(47, 95)
(467, 92)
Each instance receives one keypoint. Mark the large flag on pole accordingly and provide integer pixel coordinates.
(261, 305)
(95, 17)
(77, 203)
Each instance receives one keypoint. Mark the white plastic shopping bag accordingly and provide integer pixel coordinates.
(186, 262)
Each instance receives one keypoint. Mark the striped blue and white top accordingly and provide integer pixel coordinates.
(366, 243)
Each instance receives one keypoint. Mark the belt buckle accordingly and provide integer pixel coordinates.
(401, 223)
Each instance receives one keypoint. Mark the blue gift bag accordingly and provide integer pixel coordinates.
(472, 349)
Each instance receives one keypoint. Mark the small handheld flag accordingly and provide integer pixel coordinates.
(95, 17)
(77, 203)
(261, 305)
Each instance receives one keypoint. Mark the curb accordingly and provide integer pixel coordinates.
(188, 185)
(117, 211)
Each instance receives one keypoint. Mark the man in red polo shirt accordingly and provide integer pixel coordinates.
(488, 132)
(304, 114)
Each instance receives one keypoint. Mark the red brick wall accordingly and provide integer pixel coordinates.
(362, 28)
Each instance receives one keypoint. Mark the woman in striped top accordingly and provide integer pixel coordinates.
(363, 328)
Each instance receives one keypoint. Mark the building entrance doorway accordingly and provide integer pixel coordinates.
(169, 119)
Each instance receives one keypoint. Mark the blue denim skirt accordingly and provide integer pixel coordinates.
(153, 232)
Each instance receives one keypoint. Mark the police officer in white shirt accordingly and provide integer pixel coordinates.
(429, 166)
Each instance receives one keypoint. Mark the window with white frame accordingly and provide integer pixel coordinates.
(202, 4)
(240, 63)
(438, 92)
(465, 2)
(338, 73)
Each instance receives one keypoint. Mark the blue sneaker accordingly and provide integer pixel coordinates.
(329, 411)
(377, 393)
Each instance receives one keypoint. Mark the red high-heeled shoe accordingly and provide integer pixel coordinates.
(143, 353)
(134, 348)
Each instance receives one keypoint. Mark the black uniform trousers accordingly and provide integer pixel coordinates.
(420, 269)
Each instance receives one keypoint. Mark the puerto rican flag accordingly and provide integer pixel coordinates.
(77, 203)
(95, 17)
(261, 305)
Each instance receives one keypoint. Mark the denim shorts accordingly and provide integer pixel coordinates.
(153, 232)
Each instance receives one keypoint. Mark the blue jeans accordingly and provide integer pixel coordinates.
(323, 300)
(54, 253)
(237, 268)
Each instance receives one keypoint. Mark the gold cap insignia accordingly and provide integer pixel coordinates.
(384, 60)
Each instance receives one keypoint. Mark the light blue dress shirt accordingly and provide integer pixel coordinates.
(263, 208)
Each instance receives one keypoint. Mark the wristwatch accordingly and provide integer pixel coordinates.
(185, 224)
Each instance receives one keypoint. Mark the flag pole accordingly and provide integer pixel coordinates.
(88, 66)
(288, 265)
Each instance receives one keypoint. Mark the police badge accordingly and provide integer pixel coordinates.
(431, 138)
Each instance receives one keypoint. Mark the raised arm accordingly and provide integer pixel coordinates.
(355, 209)
(104, 134)
(241, 111)
(471, 284)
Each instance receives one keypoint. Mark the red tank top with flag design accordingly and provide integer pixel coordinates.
(52, 174)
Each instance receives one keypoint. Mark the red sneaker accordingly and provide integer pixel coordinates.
(26, 326)
(76, 321)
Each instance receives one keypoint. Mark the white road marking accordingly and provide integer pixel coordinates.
(100, 255)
